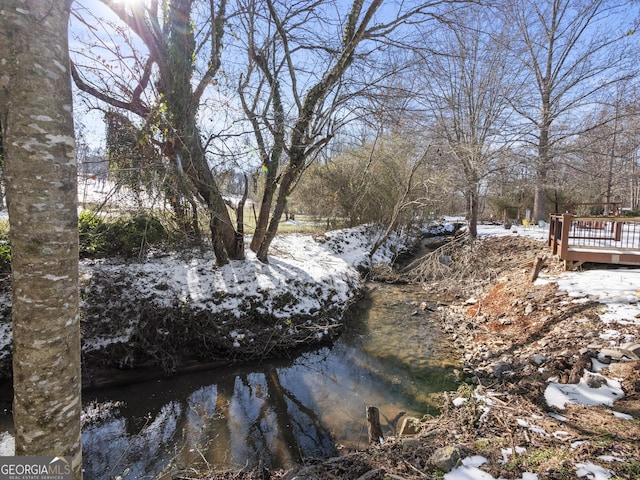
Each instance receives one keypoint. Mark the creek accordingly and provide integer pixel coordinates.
(274, 413)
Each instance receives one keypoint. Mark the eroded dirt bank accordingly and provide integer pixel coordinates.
(514, 337)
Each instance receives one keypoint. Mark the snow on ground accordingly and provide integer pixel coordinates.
(330, 264)
(558, 394)
(194, 278)
(539, 233)
(277, 289)
(618, 289)
(7, 444)
(470, 471)
(312, 274)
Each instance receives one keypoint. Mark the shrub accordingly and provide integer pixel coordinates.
(125, 236)
(5, 256)
(90, 231)
(133, 236)
(5, 247)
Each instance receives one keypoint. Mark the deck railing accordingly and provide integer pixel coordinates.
(579, 239)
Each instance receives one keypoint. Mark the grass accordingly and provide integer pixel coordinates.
(542, 458)
(630, 469)
(301, 224)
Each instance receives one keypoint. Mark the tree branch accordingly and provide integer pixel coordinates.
(135, 105)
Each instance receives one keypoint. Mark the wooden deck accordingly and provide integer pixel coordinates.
(595, 239)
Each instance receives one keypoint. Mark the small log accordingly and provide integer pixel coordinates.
(373, 425)
(537, 266)
(584, 362)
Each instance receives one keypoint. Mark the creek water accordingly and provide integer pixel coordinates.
(392, 355)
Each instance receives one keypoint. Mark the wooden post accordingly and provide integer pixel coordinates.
(618, 231)
(373, 425)
(537, 266)
(564, 235)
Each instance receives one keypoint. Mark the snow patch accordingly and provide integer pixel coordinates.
(7, 445)
(558, 394)
(592, 471)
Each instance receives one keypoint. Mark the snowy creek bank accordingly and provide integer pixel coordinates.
(175, 312)
(271, 412)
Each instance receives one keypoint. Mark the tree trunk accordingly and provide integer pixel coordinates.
(265, 210)
(271, 161)
(240, 214)
(473, 209)
(540, 195)
(41, 179)
(543, 161)
(182, 106)
(226, 244)
(190, 157)
(286, 184)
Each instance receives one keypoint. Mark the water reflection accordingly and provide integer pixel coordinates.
(276, 413)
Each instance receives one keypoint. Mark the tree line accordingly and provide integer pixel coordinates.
(503, 98)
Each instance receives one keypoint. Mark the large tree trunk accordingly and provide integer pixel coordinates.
(543, 162)
(226, 243)
(182, 106)
(540, 196)
(542, 170)
(40, 167)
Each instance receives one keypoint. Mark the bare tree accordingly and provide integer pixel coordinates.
(41, 178)
(468, 87)
(183, 43)
(294, 90)
(603, 160)
(410, 197)
(575, 51)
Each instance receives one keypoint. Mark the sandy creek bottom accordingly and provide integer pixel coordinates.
(276, 412)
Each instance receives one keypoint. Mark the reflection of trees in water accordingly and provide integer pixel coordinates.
(288, 449)
(260, 439)
(218, 453)
(109, 450)
(311, 436)
(274, 418)
(279, 412)
(251, 419)
(302, 429)
(206, 431)
(280, 430)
